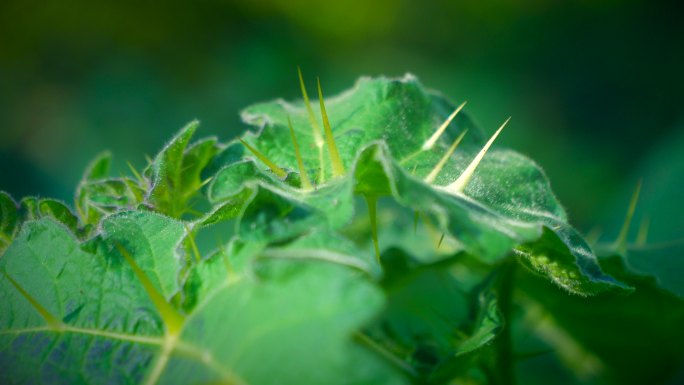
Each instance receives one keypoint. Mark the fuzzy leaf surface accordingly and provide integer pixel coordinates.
(380, 126)
(82, 313)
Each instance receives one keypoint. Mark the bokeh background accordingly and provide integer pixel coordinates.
(595, 88)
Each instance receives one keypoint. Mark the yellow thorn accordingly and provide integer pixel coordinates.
(338, 168)
(276, 170)
(621, 241)
(306, 183)
(316, 129)
(372, 203)
(435, 171)
(433, 139)
(459, 185)
(643, 232)
(318, 137)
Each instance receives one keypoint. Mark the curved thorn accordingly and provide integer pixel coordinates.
(459, 185)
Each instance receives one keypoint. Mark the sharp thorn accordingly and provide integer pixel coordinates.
(337, 166)
(435, 136)
(459, 185)
(315, 128)
(306, 183)
(276, 170)
(438, 167)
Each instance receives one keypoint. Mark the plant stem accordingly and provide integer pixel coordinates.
(504, 364)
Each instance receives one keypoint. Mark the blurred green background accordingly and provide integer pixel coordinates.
(594, 87)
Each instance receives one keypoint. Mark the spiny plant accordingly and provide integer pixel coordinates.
(376, 239)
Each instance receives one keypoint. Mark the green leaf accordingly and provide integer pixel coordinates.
(99, 167)
(397, 111)
(637, 338)
(487, 325)
(152, 240)
(278, 322)
(69, 315)
(229, 208)
(327, 246)
(313, 286)
(381, 128)
(654, 245)
(175, 172)
(96, 199)
(551, 257)
(9, 217)
(36, 208)
(662, 261)
(430, 320)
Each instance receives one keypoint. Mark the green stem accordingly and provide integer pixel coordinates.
(505, 373)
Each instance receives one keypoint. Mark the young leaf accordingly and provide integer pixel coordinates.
(175, 172)
(96, 199)
(98, 168)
